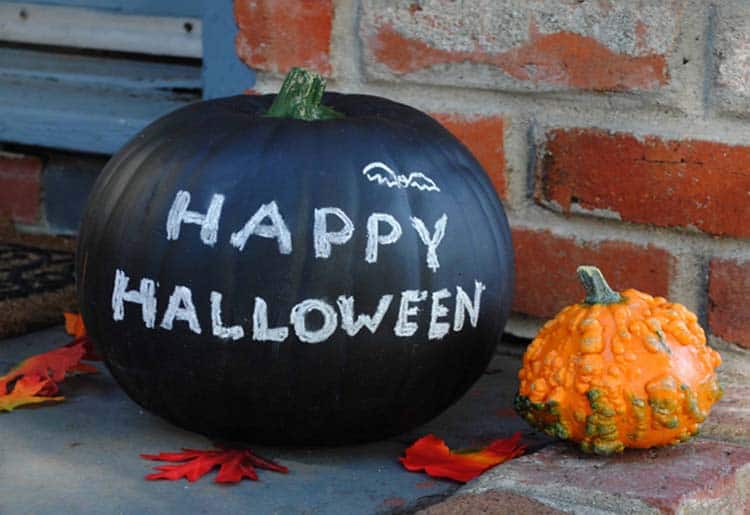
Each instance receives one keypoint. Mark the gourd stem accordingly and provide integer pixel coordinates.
(300, 98)
(597, 289)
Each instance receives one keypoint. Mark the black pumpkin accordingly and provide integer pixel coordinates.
(216, 306)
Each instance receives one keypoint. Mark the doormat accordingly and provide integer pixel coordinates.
(36, 282)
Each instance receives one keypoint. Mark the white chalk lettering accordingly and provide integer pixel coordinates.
(464, 304)
(234, 332)
(352, 326)
(374, 238)
(276, 229)
(298, 319)
(179, 214)
(431, 241)
(143, 296)
(312, 320)
(405, 327)
(438, 329)
(181, 308)
(323, 238)
(261, 331)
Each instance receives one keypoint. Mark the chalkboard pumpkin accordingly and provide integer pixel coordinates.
(301, 268)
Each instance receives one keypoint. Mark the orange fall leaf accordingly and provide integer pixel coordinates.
(53, 364)
(234, 464)
(35, 379)
(432, 455)
(74, 325)
(27, 390)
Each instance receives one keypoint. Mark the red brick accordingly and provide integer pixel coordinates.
(669, 183)
(277, 35)
(730, 417)
(729, 301)
(546, 279)
(491, 501)
(699, 476)
(483, 135)
(20, 187)
(521, 45)
(566, 59)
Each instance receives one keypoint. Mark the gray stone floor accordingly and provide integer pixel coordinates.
(82, 456)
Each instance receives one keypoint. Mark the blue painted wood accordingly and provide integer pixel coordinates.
(224, 73)
(148, 7)
(92, 104)
(109, 72)
(76, 117)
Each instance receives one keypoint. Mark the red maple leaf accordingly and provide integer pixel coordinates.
(234, 464)
(432, 455)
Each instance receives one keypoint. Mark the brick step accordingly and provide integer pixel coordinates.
(709, 474)
(701, 476)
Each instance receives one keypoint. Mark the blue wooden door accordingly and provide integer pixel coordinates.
(86, 75)
(152, 7)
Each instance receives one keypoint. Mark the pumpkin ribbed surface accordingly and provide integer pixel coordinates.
(634, 373)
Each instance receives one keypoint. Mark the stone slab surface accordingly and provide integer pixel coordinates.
(82, 456)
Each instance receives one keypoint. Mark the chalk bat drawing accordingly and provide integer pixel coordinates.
(382, 174)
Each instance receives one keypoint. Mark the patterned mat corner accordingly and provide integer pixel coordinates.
(36, 286)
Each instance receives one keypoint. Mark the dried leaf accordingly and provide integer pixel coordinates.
(234, 464)
(35, 379)
(90, 353)
(234, 470)
(432, 455)
(53, 364)
(74, 325)
(32, 389)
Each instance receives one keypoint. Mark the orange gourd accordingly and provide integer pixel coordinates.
(618, 370)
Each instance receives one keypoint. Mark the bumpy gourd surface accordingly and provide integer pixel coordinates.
(637, 373)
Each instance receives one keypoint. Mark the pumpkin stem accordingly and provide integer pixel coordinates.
(597, 289)
(300, 97)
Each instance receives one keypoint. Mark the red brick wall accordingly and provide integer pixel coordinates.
(616, 133)
(276, 35)
(20, 187)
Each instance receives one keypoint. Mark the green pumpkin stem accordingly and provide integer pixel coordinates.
(300, 97)
(597, 289)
